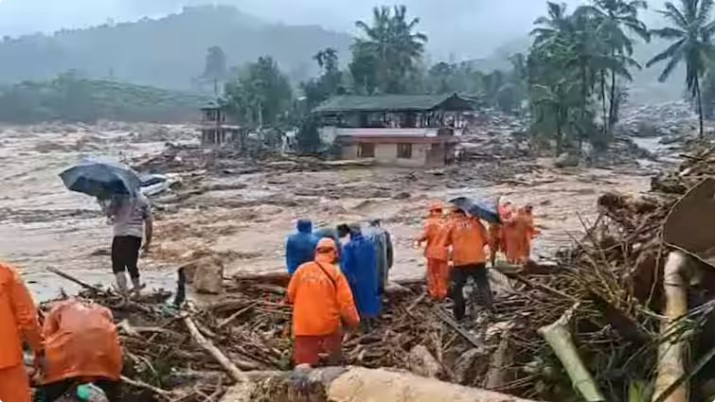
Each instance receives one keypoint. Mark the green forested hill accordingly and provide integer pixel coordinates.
(167, 52)
(72, 99)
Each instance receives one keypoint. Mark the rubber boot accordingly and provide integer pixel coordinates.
(136, 286)
(121, 283)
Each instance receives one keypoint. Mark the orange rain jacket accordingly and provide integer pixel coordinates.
(18, 319)
(320, 295)
(432, 235)
(81, 341)
(468, 239)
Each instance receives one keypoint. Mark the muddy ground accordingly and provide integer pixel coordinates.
(243, 211)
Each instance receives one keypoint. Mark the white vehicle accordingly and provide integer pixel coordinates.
(153, 184)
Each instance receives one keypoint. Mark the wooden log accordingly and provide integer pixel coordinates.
(231, 318)
(156, 390)
(354, 384)
(670, 366)
(73, 279)
(560, 340)
(202, 341)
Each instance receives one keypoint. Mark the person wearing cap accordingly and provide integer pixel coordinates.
(358, 263)
(322, 305)
(467, 238)
(435, 252)
(383, 246)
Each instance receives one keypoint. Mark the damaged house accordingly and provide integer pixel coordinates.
(400, 130)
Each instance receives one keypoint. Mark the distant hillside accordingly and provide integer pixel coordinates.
(167, 52)
(72, 99)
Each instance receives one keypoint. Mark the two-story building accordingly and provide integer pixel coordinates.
(215, 128)
(401, 130)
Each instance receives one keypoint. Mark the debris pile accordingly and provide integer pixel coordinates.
(605, 297)
(656, 120)
(591, 320)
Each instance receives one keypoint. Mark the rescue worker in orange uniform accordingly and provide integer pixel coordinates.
(435, 252)
(467, 237)
(322, 302)
(512, 233)
(18, 322)
(81, 346)
(528, 233)
(495, 231)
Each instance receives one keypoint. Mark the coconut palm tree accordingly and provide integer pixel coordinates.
(392, 39)
(555, 23)
(692, 31)
(616, 19)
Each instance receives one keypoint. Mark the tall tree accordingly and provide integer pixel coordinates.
(328, 84)
(214, 67)
(393, 44)
(260, 94)
(617, 19)
(692, 32)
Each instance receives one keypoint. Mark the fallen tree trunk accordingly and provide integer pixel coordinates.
(354, 384)
(670, 365)
(231, 369)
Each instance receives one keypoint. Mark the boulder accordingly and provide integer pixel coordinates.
(566, 160)
(423, 363)
(206, 274)
(470, 365)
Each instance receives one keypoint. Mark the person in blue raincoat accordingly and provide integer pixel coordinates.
(300, 246)
(358, 263)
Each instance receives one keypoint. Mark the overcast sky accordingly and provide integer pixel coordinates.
(463, 28)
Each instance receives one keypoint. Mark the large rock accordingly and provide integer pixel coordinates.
(566, 160)
(423, 363)
(471, 365)
(206, 274)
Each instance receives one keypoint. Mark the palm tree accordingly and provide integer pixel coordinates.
(557, 22)
(692, 30)
(391, 38)
(615, 17)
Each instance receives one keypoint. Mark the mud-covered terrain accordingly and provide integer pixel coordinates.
(241, 210)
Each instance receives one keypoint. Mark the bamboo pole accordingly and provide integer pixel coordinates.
(560, 340)
(670, 366)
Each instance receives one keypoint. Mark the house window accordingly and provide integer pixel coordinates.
(405, 150)
(366, 150)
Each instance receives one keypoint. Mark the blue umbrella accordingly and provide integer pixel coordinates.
(101, 179)
(481, 209)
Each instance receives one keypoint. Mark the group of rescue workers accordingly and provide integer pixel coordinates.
(336, 285)
(334, 288)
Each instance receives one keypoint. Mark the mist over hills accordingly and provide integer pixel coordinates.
(168, 50)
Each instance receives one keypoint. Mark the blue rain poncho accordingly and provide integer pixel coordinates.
(358, 263)
(300, 246)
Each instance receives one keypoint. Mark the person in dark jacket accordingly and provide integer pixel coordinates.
(334, 233)
(358, 263)
(300, 246)
(380, 238)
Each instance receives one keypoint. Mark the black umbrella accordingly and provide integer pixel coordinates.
(479, 209)
(101, 179)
